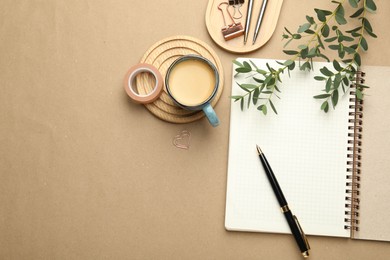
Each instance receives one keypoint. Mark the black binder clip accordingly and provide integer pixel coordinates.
(236, 5)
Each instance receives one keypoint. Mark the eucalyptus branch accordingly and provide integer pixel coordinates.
(348, 44)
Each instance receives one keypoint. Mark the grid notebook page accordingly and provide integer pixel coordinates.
(307, 150)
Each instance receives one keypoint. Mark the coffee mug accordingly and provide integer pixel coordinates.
(192, 82)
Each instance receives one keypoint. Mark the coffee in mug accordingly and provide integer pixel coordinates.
(192, 82)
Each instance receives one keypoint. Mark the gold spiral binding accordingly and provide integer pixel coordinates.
(355, 128)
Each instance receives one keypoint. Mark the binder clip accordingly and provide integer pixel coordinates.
(232, 30)
(236, 5)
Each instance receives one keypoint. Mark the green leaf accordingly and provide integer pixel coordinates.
(370, 6)
(328, 85)
(271, 82)
(357, 13)
(367, 25)
(371, 33)
(243, 88)
(346, 81)
(280, 63)
(334, 47)
(235, 97)
(273, 107)
(340, 15)
(325, 106)
(326, 72)
(249, 100)
(305, 66)
(262, 108)
(336, 65)
(319, 78)
(325, 30)
(263, 72)
(335, 98)
(290, 52)
(349, 50)
(368, 28)
(304, 52)
(304, 27)
(258, 80)
(269, 67)
(337, 81)
(243, 70)
(310, 19)
(247, 65)
(354, 30)
(357, 59)
(253, 64)
(288, 31)
(354, 46)
(309, 31)
(256, 95)
(347, 38)
(364, 44)
(288, 62)
(268, 79)
(341, 51)
(248, 86)
(320, 15)
(238, 63)
(292, 66)
(296, 36)
(326, 109)
(331, 39)
(353, 3)
(322, 96)
(242, 104)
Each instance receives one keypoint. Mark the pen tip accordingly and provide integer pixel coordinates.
(258, 149)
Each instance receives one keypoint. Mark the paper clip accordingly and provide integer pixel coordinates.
(232, 30)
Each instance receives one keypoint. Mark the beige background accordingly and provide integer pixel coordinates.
(87, 174)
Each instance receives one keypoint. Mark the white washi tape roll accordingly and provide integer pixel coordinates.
(130, 78)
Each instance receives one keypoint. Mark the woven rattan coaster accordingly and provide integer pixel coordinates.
(161, 55)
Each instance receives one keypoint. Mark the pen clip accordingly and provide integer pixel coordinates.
(302, 233)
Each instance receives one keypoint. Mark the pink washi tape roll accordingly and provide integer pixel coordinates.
(130, 78)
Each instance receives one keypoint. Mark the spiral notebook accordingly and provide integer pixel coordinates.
(332, 167)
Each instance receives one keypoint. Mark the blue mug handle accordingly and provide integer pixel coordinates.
(211, 115)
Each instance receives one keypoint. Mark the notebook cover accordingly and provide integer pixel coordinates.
(374, 207)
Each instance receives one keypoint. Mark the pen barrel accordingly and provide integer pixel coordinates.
(273, 181)
(261, 15)
(296, 232)
(248, 20)
(249, 13)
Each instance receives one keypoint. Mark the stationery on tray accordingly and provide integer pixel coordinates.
(333, 167)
